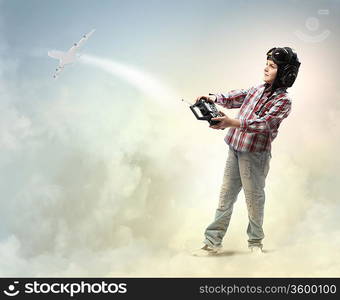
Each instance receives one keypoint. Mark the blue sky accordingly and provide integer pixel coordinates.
(154, 33)
(176, 40)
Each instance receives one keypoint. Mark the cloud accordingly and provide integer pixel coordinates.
(93, 201)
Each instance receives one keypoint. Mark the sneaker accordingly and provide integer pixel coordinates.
(207, 250)
(256, 249)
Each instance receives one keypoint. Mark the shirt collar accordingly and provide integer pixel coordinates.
(266, 88)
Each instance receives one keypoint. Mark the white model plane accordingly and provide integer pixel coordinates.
(70, 56)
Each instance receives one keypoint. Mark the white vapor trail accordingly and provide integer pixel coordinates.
(139, 79)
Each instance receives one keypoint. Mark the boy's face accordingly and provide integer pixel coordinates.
(270, 72)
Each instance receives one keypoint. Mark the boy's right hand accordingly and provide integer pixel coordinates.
(210, 99)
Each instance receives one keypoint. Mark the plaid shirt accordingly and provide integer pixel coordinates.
(260, 115)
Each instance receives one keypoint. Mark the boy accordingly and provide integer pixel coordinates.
(262, 108)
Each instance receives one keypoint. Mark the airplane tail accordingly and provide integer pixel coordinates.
(56, 54)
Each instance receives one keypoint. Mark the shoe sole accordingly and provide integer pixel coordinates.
(206, 253)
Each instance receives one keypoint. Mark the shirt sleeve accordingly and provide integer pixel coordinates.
(232, 99)
(271, 121)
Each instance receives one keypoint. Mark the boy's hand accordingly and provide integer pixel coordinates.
(207, 98)
(225, 122)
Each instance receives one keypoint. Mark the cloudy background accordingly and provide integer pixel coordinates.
(105, 172)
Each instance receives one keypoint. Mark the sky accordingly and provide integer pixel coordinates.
(106, 172)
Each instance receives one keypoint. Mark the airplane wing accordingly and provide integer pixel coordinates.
(84, 38)
(57, 72)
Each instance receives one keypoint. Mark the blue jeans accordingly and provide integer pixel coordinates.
(247, 170)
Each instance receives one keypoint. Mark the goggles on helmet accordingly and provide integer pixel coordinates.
(279, 56)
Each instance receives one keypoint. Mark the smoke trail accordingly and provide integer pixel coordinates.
(141, 80)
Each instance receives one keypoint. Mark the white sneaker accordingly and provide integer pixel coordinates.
(256, 249)
(207, 251)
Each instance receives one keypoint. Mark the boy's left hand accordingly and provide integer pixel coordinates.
(225, 122)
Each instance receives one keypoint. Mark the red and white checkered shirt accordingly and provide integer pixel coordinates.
(261, 114)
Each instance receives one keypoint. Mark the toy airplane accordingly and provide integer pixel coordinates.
(70, 56)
